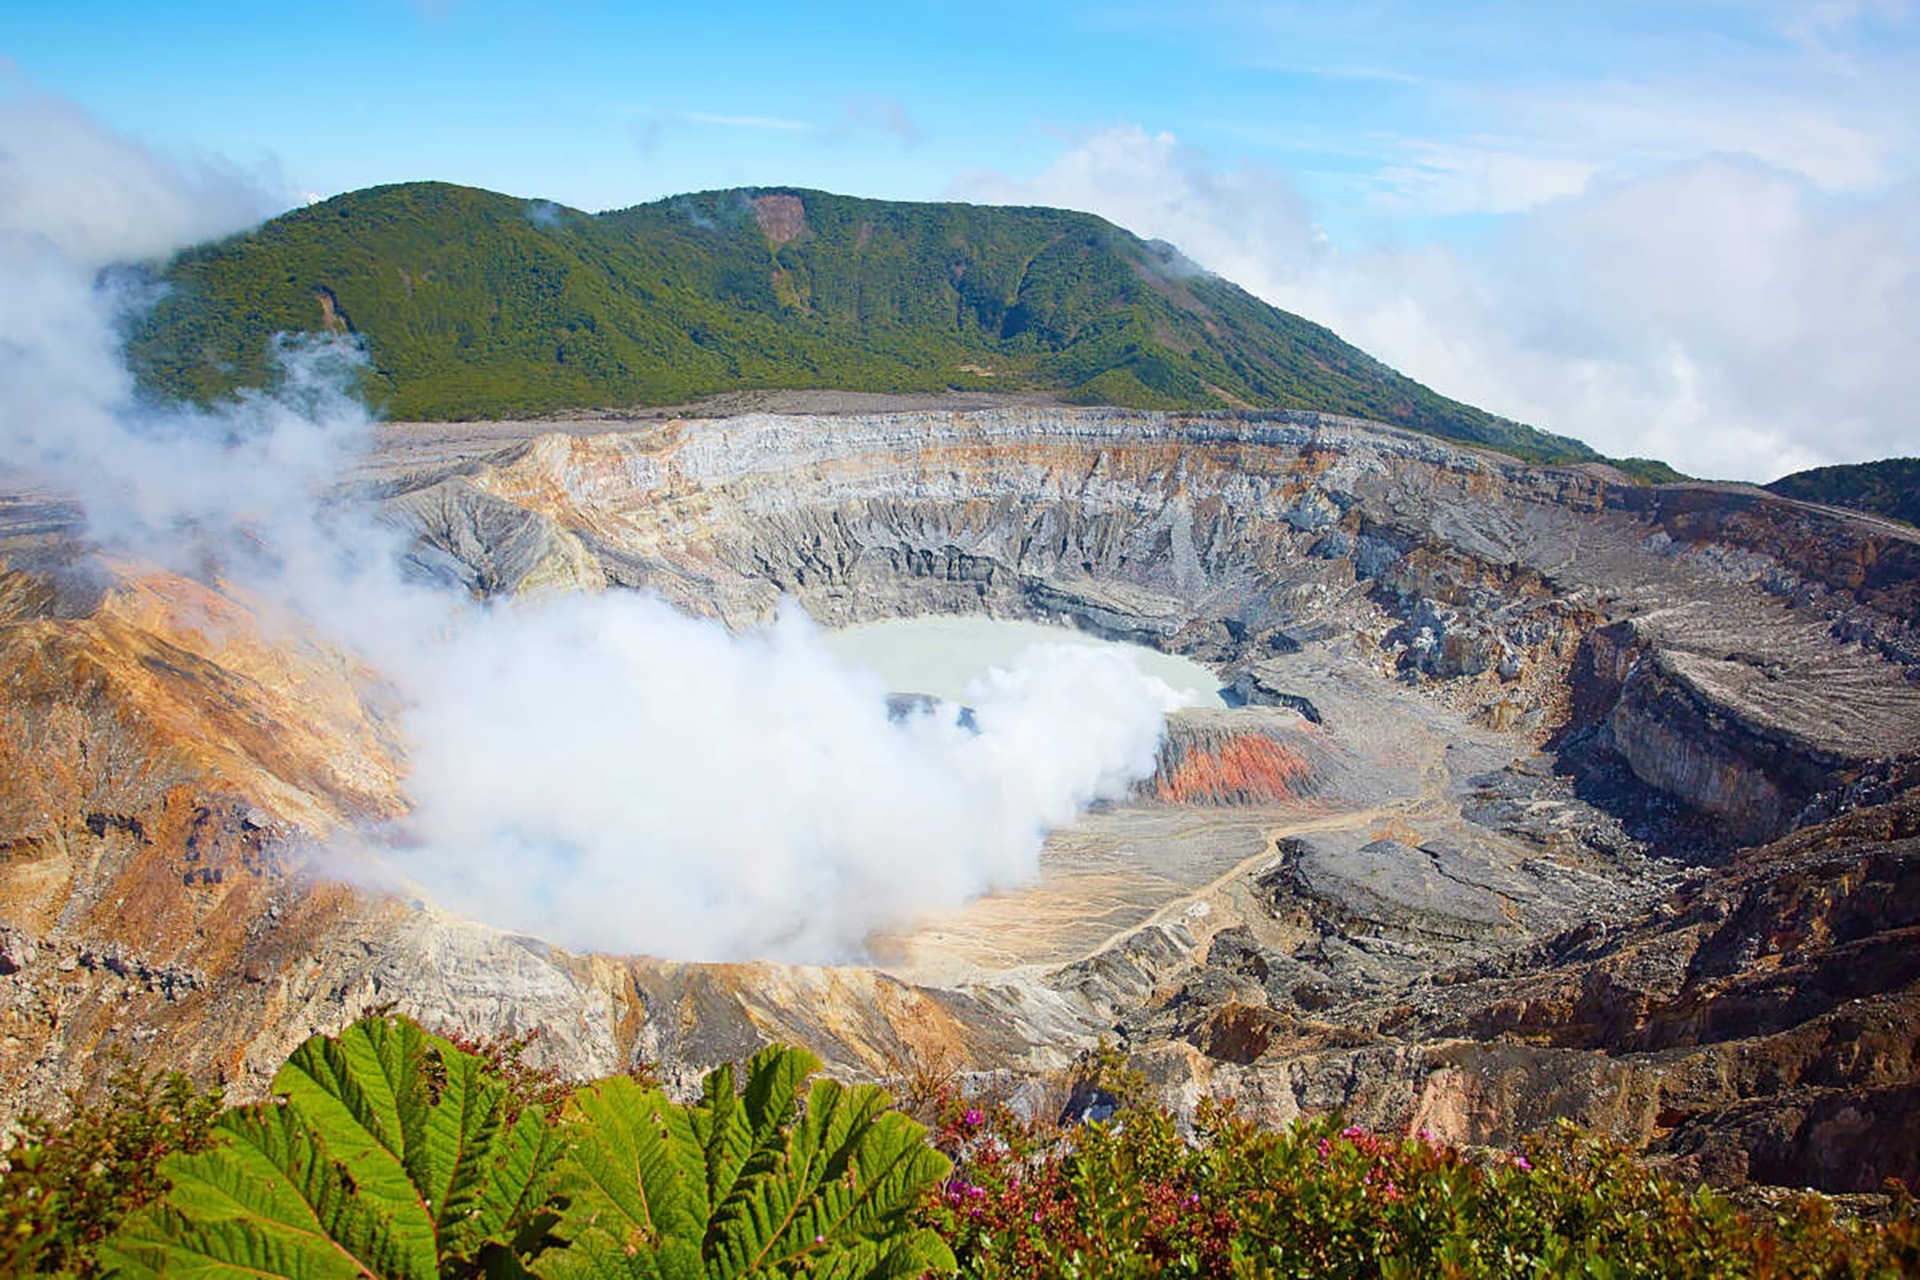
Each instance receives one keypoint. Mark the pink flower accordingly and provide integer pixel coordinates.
(1353, 1131)
(1521, 1162)
(973, 1118)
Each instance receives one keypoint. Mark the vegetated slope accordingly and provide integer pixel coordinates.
(1890, 487)
(476, 304)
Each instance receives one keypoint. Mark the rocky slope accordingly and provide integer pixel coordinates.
(1553, 794)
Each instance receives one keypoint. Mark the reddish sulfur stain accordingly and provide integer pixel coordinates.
(1247, 769)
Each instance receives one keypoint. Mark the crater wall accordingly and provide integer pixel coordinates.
(1762, 657)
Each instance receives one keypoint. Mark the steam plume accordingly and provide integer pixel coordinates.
(598, 769)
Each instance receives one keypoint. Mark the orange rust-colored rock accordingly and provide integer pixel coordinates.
(1245, 769)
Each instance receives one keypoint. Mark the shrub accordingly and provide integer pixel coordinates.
(395, 1153)
(1135, 1197)
(68, 1184)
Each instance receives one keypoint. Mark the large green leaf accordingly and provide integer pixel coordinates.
(394, 1141)
(266, 1201)
(849, 1173)
(744, 1136)
(388, 1094)
(737, 1186)
(634, 1182)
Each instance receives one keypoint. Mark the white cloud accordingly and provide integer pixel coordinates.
(635, 779)
(1240, 223)
(885, 116)
(95, 196)
(1493, 106)
(1482, 175)
(1722, 314)
(1848, 137)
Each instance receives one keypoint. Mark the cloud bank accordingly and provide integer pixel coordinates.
(1723, 314)
(598, 769)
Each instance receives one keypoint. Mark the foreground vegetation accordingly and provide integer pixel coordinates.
(393, 1152)
(474, 304)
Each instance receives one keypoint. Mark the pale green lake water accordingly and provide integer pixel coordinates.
(942, 654)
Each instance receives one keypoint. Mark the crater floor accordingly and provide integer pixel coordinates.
(1385, 764)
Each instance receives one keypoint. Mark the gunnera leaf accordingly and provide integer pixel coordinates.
(267, 1201)
(392, 1154)
(743, 1185)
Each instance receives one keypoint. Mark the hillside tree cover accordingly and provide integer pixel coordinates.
(474, 304)
(1888, 488)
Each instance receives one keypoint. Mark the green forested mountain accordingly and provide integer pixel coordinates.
(477, 304)
(1887, 488)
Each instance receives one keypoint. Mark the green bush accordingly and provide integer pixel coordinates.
(389, 1152)
(746, 1185)
(395, 1153)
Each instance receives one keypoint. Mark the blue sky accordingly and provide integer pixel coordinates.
(1377, 112)
(1639, 223)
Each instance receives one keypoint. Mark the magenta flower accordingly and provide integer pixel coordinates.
(1521, 1162)
(974, 1119)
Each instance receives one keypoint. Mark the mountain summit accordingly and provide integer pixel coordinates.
(475, 304)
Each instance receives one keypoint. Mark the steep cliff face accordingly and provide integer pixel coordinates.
(1469, 858)
(1757, 667)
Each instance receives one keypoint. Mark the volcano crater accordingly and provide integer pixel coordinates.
(1516, 752)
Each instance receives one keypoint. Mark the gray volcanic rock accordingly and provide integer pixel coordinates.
(505, 549)
(1386, 886)
(1553, 795)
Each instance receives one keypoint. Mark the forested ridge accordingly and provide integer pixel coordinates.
(475, 304)
(1890, 487)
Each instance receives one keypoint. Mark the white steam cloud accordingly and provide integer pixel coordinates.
(599, 769)
(611, 772)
